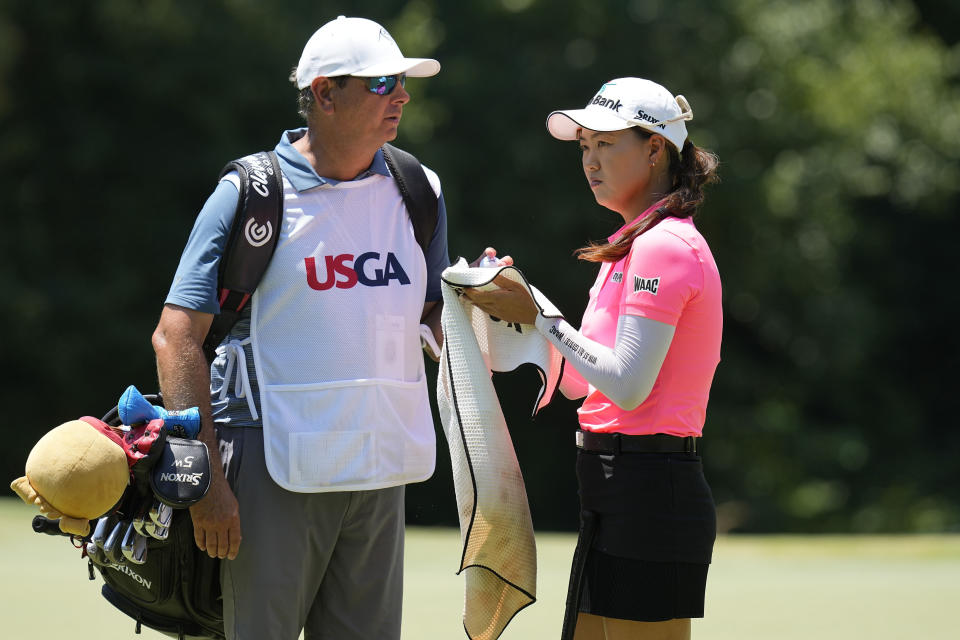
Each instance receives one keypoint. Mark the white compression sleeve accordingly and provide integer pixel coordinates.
(625, 373)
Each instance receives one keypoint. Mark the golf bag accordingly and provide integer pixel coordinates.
(144, 548)
(176, 591)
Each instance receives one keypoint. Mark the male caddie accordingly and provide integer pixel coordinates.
(316, 404)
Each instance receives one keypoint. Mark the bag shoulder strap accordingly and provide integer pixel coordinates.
(418, 196)
(252, 240)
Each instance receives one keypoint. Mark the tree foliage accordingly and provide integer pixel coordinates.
(837, 125)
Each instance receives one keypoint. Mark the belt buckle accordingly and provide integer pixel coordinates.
(579, 439)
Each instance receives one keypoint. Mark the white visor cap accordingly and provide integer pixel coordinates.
(623, 103)
(357, 47)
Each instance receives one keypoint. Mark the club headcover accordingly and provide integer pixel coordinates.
(134, 409)
(181, 476)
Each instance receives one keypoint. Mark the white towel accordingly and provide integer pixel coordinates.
(499, 558)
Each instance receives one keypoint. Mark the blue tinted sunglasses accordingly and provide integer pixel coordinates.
(384, 85)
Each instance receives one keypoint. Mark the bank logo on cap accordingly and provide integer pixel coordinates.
(613, 104)
(610, 103)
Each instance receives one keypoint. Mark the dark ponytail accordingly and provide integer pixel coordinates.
(691, 172)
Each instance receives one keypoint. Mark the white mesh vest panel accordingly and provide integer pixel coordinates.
(335, 338)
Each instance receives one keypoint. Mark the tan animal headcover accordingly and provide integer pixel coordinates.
(74, 473)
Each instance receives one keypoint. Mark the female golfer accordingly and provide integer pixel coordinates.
(644, 357)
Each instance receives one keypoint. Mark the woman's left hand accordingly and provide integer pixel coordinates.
(491, 254)
(510, 303)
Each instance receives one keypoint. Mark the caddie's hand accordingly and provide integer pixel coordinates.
(216, 521)
(510, 302)
(489, 259)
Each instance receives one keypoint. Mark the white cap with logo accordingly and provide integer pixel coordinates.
(623, 103)
(356, 47)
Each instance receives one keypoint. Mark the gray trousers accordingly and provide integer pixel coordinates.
(328, 563)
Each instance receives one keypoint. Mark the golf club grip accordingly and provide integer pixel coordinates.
(48, 526)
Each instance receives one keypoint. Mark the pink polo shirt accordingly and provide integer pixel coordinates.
(669, 276)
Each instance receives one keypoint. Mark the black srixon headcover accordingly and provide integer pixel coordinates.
(182, 474)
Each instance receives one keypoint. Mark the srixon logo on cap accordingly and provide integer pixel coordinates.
(642, 115)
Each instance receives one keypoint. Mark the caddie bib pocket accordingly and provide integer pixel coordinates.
(408, 442)
(330, 458)
(376, 433)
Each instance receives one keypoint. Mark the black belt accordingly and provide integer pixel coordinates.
(618, 443)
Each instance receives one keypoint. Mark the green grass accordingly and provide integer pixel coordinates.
(783, 587)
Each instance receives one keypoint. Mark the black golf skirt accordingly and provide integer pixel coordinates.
(653, 525)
